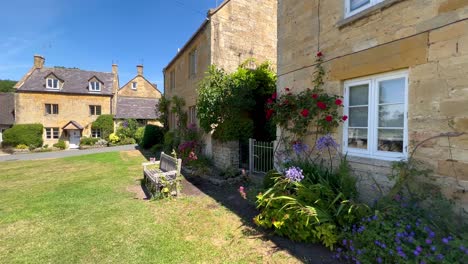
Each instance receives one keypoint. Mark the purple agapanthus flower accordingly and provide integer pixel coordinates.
(300, 147)
(294, 174)
(326, 142)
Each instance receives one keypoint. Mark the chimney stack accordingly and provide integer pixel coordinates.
(115, 69)
(140, 70)
(38, 61)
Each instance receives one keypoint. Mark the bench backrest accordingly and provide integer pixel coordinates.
(168, 163)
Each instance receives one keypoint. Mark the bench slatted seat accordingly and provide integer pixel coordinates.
(160, 173)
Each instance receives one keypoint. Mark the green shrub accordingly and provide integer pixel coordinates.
(113, 138)
(127, 141)
(307, 208)
(127, 128)
(156, 148)
(171, 142)
(27, 134)
(21, 146)
(153, 135)
(86, 141)
(105, 123)
(140, 132)
(60, 144)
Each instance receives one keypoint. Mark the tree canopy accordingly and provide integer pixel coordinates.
(6, 86)
(234, 104)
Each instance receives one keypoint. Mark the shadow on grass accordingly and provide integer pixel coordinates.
(229, 197)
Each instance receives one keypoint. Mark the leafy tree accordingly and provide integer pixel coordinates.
(106, 124)
(6, 86)
(234, 104)
(162, 111)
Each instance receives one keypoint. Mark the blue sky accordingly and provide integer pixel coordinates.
(92, 34)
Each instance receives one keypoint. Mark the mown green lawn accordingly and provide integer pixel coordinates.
(80, 210)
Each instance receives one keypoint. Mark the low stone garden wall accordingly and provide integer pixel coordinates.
(226, 154)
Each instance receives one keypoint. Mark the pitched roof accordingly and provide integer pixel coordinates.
(75, 81)
(7, 108)
(137, 108)
(73, 125)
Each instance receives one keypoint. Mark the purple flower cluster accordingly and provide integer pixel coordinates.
(294, 174)
(326, 142)
(300, 147)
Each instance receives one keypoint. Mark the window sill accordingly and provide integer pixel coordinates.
(373, 161)
(371, 10)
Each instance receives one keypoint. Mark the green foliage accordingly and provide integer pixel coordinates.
(127, 128)
(127, 141)
(153, 135)
(230, 102)
(140, 132)
(177, 105)
(60, 144)
(113, 138)
(27, 134)
(106, 124)
(21, 146)
(269, 179)
(230, 172)
(86, 141)
(156, 148)
(171, 141)
(6, 86)
(162, 110)
(311, 210)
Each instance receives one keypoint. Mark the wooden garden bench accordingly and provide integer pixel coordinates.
(162, 174)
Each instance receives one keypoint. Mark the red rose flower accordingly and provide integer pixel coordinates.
(274, 95)
(286, 89)
(319, 54)
(329, 118)
(321, 105)
(338, 102)
(269, 101)
(269, 113)
(344, 118)
(315, 96)
(305, 112)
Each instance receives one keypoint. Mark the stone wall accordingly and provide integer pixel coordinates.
(144, 89)
(30, 108)
(427, 38)
(243, 29)
(225, 154)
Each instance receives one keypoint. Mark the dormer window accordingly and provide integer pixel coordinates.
(134, 85)
(52, 83)
(95, 86)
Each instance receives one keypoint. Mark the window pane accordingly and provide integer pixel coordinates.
(392, 91)
(390, 140)
(98, 110)
(355, 4)
(358, 116)
(359, 95)
(357, 138)
(48, 108)
(55, 83)
(391, 115)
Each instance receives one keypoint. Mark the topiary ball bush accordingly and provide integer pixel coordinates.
(27, 134)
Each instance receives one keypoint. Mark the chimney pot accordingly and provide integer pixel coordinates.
(140, 70)
(38, 61)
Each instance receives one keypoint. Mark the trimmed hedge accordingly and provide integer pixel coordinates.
(106, 124)
(153, 135)
(27, 134)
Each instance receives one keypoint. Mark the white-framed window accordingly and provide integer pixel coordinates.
(95, 110)
(377, 110)
(172, 80)
(353, 7)
(95, 86)
(52, 132)
(51, 109)
(193, 63)
(52, 83)
(134, 85)
(192, 115)
(95, 133)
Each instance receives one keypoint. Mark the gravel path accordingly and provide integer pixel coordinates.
(65, 153)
